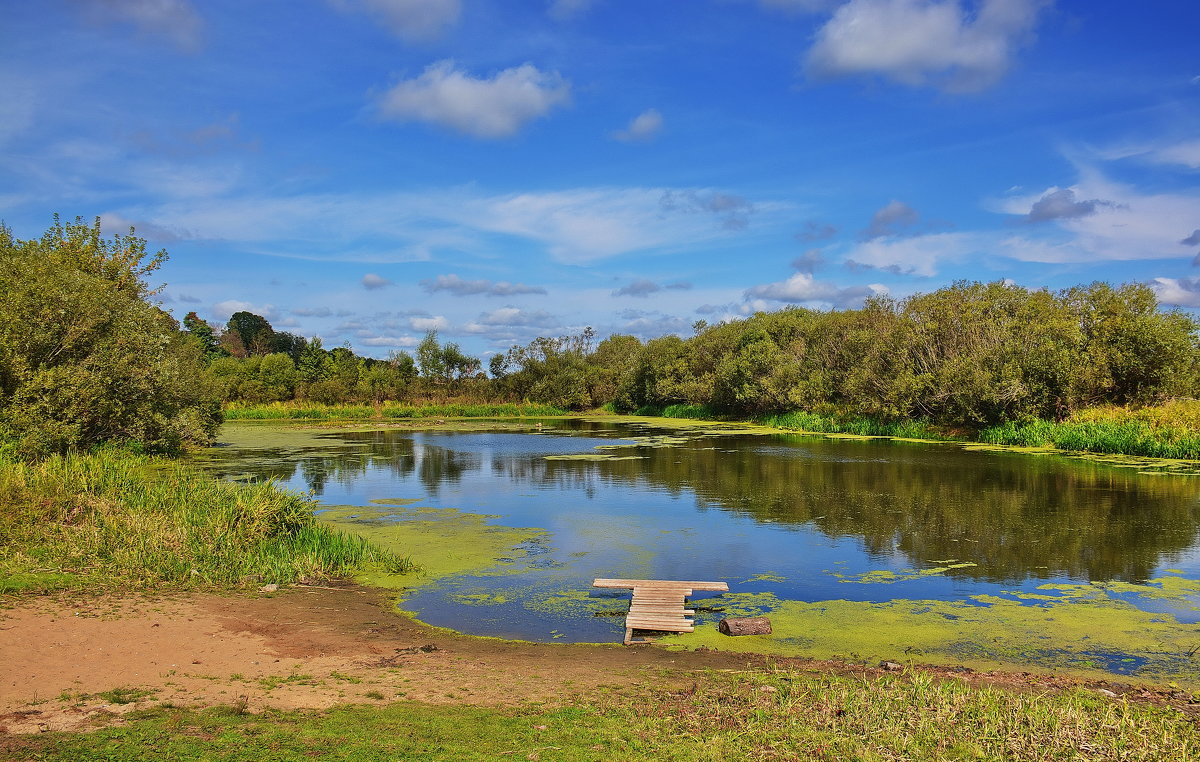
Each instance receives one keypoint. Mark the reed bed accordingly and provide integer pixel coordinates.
(113, 519)
(311, 411)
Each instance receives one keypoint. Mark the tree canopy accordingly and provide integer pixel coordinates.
(85, 356)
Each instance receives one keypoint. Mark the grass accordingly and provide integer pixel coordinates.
(115, 520)
(1171, 430)
(312, 411)
(772, 715)
(804, 421)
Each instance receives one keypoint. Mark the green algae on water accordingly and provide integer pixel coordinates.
(1077, 629)
(441, 541)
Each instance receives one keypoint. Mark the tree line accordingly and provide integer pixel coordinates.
(87, 355)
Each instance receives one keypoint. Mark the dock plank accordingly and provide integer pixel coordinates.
(658, 604)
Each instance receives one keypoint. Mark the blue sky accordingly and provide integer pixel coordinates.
(367, 170)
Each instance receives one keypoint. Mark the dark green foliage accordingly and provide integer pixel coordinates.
(970, 355)
(85, 357)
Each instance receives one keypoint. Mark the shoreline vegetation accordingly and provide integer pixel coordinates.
(114, 520)
(1170, 431)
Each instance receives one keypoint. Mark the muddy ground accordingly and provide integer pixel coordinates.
(77, 663)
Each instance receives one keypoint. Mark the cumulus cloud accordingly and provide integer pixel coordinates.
(224, 310)
(802, 287)
(436, 323)
(1060, 204)
(408, 19)
(809, 261)
(176, 20)
(651, 324)
(889, 220)
(1180, 292)
(506, 318)
(919, 42)
(460, 287)
(1127, 225)
(189, 299)
(643, 287)
(1193, 239)
(644, 126)
(495, 107)
(816, 231)
(373, 282)
(919, 255)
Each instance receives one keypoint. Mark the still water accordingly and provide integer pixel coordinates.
(779, 517)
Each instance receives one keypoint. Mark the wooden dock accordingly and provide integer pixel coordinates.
(659, 604)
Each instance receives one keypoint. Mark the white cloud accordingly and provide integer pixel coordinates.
(1126, 225)
(802, 287)
(460, 287)
(918, 42)
(918, 255)
(643, 287)
(222, 311)
(409, 19)
(373, 282)
(437, 323)
(1186, 154)
(575, 226)
(1180, 292)
(501, 321)
(176, 20)
(496, 107)
(644, 126)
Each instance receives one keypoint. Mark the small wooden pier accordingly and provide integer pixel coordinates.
(659, 604)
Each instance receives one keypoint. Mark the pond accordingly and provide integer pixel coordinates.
(863, 549)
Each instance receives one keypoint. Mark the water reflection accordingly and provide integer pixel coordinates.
(1016, 517)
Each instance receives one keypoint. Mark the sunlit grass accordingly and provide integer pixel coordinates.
(1165, 431)
(783, 714)
(114, 519)
(804, 421)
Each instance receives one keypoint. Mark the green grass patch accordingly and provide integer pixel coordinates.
(116, 520)
(388, 411)
(755, 716)
(1166, 431)
(800, 420)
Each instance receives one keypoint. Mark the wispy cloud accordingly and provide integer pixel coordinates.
(408, 19)
(645, 126)
(175, 20)
(457, 286)
(481, 107)
(643, 287)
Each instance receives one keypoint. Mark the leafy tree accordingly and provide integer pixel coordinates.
(255, 332)
(430, 359)
(85, 356)
(203, 333)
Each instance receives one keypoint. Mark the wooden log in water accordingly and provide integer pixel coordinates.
(750, 625)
